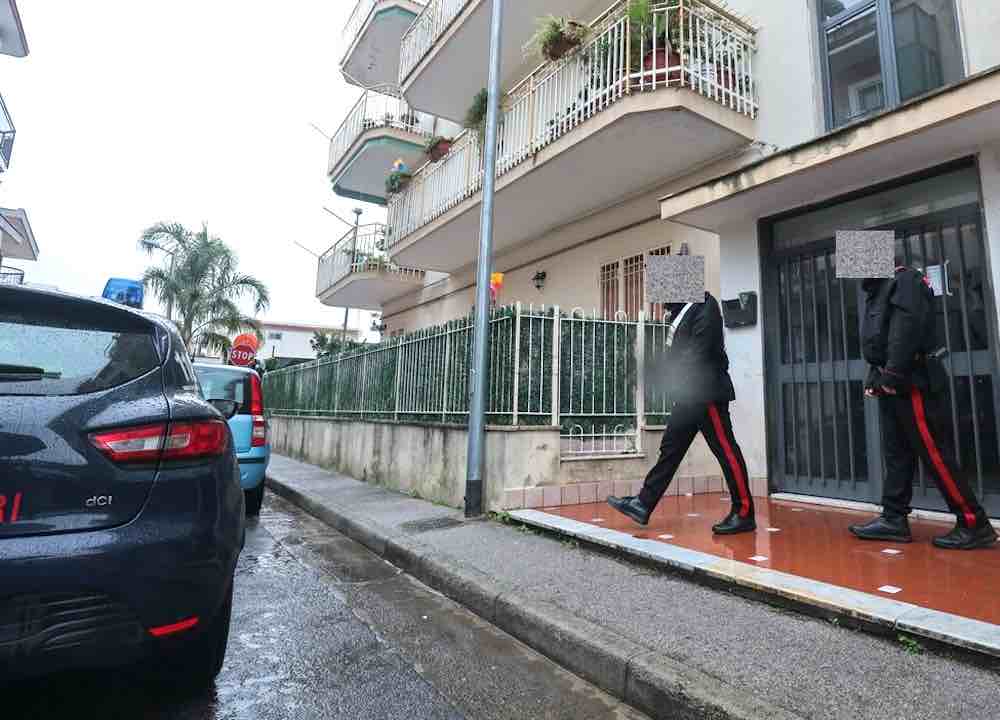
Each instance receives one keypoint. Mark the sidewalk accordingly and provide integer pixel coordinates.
(666, 645)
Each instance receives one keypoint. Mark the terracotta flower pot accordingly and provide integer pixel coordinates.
(660, 60)
(439, 149)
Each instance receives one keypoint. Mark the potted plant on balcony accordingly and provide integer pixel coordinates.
(437, 147)
(555, 37)
(399, 179)
(648, 31)
(475, 116)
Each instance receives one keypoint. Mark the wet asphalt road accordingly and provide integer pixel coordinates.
(323, 628)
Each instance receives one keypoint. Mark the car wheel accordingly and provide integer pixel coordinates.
(255, 498)
(199, 663)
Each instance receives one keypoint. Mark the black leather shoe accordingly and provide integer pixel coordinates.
(963, 538)
(631, 506)
(734, 524)
(888, 529)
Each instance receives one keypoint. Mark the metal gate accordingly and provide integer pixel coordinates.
(827, 438)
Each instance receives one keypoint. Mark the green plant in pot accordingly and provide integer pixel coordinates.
(399, 178)
(437, 147)
(475, 118)
(654, 46)
(555, 37)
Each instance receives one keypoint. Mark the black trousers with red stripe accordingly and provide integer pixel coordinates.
(713, 421)
(912, 429)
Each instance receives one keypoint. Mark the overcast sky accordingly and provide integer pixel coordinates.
(128, 113)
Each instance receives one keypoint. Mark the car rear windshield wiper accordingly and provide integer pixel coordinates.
(25, 373)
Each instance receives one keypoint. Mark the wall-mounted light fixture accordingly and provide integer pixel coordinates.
(539, 280)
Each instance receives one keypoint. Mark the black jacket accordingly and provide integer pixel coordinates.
(696, 365)
(898, 329)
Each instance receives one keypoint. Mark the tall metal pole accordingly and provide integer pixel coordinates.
(354, 257)
(481, 351)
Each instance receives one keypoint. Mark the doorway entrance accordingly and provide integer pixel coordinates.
(826, 437)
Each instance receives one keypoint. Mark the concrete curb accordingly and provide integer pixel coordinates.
(649, 681)
(870, 612)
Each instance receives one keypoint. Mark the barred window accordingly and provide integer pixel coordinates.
(623, 286)
(635, 279)
(609, 289)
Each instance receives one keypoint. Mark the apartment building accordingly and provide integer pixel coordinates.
(752, 130)
(17, 242)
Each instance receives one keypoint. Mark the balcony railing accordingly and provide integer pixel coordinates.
(714, 59)
(11, 276)
(377, 110)
(361, 253)
(357, 19)
(425, 31)
(6, 137)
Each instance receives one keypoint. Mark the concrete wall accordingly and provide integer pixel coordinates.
(790, 83)
(980, 23)
(740, 262)
(572, 276)
(422, 460)
(523, 464)
(989, 167)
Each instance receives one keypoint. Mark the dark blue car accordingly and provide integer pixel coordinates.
(121, 511)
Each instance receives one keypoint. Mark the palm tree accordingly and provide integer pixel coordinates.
(203, 284)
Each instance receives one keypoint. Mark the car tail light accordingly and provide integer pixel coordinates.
(259, 436)
(150, 443)
(191, 440)
(139, 444)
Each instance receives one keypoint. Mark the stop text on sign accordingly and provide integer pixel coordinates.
(242, 355)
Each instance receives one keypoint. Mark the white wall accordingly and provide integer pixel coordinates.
(294, 342)
(989, 165)
(787, 69)
(740, 263)
(980, 22)
(572, 276)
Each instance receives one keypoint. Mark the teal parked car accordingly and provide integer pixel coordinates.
(248, 425)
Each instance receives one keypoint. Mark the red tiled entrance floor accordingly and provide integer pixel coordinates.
(813, 541)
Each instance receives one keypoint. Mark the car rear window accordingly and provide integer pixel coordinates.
(222, 384)
(60, 348)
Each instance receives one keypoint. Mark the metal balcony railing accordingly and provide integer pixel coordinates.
(707, 50)
(377, 110)
(358, 17)
(11, 276)
(425, 31)
(6, 137)
(360, 253)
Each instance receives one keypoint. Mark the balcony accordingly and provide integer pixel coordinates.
(372, 34)
(11, 276)
(356, 272)
(379, 130)
(444, 54)
(17, 241)
(618, 118)
(6, 137)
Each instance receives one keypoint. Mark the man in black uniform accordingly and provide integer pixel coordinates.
(907, 378)
(698, 382)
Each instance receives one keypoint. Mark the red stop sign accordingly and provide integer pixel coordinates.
(242, 355)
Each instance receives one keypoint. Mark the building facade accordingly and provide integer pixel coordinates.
(17, 241)
(293, 341)
(752, 131)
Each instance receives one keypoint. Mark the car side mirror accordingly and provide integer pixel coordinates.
(228, 408)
